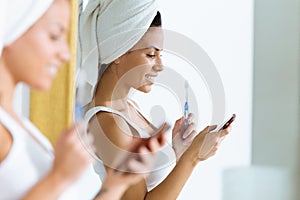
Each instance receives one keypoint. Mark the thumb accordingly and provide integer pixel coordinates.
(206, 130)
(212, 127)
(177, 126)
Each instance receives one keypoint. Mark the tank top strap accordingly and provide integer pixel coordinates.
(8, 122)
(93, 111)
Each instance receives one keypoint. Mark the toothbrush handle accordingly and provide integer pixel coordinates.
(186, 110)
(186, 114)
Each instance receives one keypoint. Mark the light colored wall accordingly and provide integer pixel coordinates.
(276, 83)
(276, 113)
(274, 173)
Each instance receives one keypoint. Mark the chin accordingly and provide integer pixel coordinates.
(45, 86)
(145, 89)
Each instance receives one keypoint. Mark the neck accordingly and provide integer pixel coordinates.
(7, 87)
(111, 92)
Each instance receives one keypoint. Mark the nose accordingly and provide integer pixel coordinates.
(64, 53)
(158, 65)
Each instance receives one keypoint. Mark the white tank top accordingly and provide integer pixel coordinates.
(29, 160)
(164, 162)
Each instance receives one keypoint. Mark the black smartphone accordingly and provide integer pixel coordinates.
(227, 123)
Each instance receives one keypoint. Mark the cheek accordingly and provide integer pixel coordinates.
(141, 61)
(34, 52)
(42, 50)
(135, 66)
(145, 64)
(141, 71)
(17, 66)
(31, 62)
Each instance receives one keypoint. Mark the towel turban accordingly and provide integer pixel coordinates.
(107, 30)
(17, 16)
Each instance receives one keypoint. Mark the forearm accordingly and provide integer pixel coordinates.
(171, 187)
(107, 193)
(49, 188)
(110, 192)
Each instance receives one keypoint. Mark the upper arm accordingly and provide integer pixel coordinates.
(111, 134)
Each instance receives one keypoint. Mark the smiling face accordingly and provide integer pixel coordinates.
(142, 64)
(35, 57)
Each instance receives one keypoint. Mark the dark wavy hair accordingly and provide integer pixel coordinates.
(157, 20)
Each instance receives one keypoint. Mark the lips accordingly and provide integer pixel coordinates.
(150, 78)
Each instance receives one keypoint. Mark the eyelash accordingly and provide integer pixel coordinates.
(151, 56)
(54, 37)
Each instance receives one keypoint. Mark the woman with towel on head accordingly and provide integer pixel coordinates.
(120, 46)
(33, 46)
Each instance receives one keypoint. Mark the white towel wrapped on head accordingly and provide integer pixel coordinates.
(17, 16)
(107, 30)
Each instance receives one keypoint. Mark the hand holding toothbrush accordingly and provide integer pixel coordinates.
(183, 135)
(183, 132)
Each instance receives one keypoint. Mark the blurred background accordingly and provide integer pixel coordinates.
(255, 45)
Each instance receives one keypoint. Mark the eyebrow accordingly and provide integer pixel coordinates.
(155, 48)
(59, 26)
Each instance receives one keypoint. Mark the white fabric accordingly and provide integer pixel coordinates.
(163, 163)
(17, 16)
(108, 29)
(30, 159)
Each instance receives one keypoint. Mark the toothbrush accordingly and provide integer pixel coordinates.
(80, 94)
(186, 105)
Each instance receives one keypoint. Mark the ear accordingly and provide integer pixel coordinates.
(117, 61)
